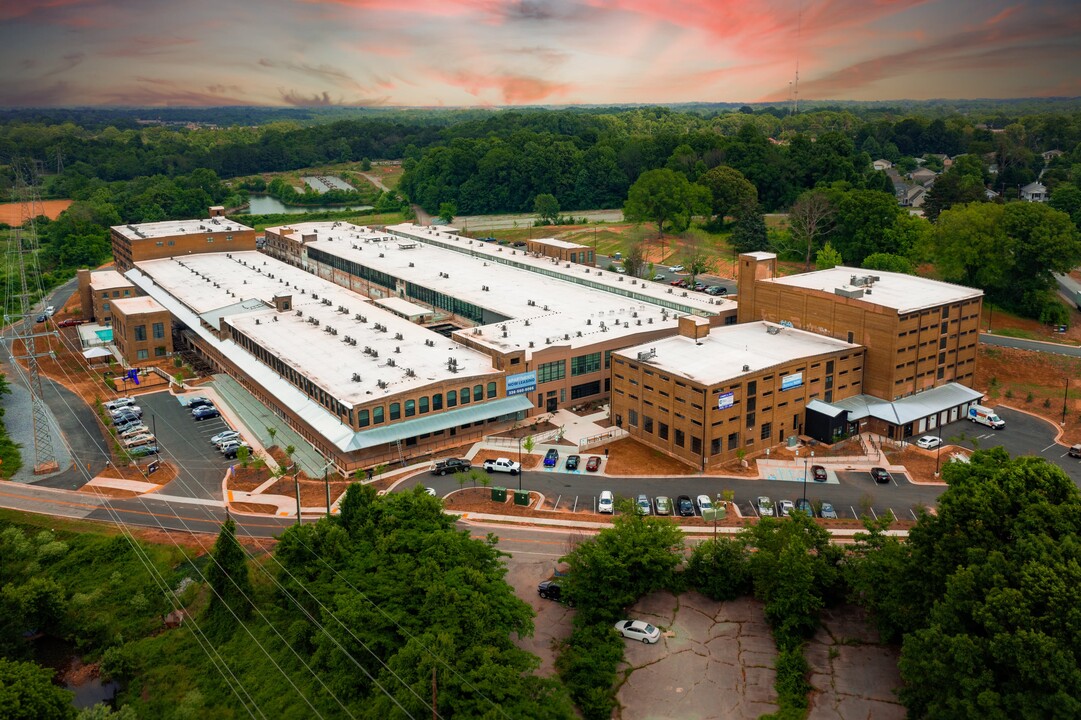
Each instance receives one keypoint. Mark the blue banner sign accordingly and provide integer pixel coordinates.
(725, 400)
(521, 383)
(794, 380)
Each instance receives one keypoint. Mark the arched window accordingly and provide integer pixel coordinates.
(362, 418)
(452, 398)
(464, 395)
(424, 405)
(491, 390)
(410, 408)
(478, 392)
(395, 411)
(377, 415)
(437, 401)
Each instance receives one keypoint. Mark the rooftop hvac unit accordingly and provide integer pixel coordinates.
(397, 348)
(300, 313)
(275, 318)
(398, 336)
(356, 377)
(772, 329)
(257, 321)
(409, 372)
(390, 362)
(381, 383)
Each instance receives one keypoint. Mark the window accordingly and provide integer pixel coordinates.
(944, 328)
(714, 446)
(140, 332)
(491, 390)
(159, 331)
(377, 415)
(851, 336)
(363, 418)
(647, 424)
(105, 307)
(767, 431)
(410, 408)
(942, 343)
(210, 239)
(750, 420)
(585, 389)
(585, 364)
(464, 395)
(829, 367)
(752, 387)
(159, 351)
(607, 359)
(547, 372)
(696, 445)
(478, 393)
(680, 439)
(437, 401)
(733, 441)
(395, 411)
(662, 430)
(632, 418)
(142, 354)
(424, 405)
(452, 398)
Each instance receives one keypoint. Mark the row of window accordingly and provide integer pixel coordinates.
(145, 355)
(158, 329)
(116, 293)
(352, 268)
(422, 405)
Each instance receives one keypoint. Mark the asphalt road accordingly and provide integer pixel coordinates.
(1036, 345)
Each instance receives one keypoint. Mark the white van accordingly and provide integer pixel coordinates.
(606, 504)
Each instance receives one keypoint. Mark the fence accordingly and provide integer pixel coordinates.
(595, 440)
(510, 442)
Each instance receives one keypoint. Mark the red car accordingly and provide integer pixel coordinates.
(70, 322)
(593, 464)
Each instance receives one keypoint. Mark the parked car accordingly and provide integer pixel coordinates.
(658, 277)
(129, 425)
(684, 506)
(593, 464)
(129, 409)
(144, 450)
(42, 318)
(704, 503)
(819, 473)
(126, 418)
(804, 505)
(765, 506)
(1075, 451)
(223, 436)
(197, 402)
(551, 458)
(204, 413)
(572, 463)
(638, 630)
(450, 466)
(785, 508)
(140, 439)
(676, 268)
(70, 322)
(132, 431)
(929, 442)
(502, 465)
(50, 311)
(827, 511)
(550, 590)
(717, 290)
(663, 505)
(699, 286)
(231, 450)
(643, 504)
(880, 475)
(606, 503)
(122, 402)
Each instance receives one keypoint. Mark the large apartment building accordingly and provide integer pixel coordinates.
(175, 238)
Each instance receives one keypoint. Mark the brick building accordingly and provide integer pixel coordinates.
(175, 238)
(142, 330)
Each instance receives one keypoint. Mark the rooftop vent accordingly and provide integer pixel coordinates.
(746, 368)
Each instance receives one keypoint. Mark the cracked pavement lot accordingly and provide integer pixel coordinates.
(714, 660)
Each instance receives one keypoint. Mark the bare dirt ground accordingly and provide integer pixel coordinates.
(630, 457)
(1034, 382)
(528, 461)
(998, 320)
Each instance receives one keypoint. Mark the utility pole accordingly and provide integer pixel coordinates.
(435, 713)
(22, 252)
(1065, 399)
(296, 484)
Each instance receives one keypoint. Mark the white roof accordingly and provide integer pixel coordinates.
(133, 305)
(732, 351)
(533, 299)
(402, 307)
(557, 243)
(242, 289)
(901, 292)
(168, 228)
(108, 279)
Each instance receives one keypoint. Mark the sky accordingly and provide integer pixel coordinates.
(531, 52)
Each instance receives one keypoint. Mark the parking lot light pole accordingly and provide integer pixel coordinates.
(806, 462)
(938, 448)
(519, 464)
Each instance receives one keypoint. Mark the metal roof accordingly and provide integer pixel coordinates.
(911, 408)
(439, 421)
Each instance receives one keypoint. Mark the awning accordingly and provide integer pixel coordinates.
(823, 408)
(439, 421)
(96, 352)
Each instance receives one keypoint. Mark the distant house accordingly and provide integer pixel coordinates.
(1034, 192)
(990, 194)
(913, 196)
(882, 164)
(923, 176)
(1051, 155)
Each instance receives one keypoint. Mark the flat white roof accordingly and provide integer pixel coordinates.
(903, 293)
(108, 279)
(732, 351)
(400, 355)
(557, 243)
(544, 302)
(403, 307)
(168, 228)
(130, 306)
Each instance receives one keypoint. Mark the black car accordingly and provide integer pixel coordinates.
(880, 475)
(125, 418)
(144, 450)
(202, 413)
(450, 466)
(42, 318)
(198, 402)
(684, 506)
(572, 462)
(550, 590)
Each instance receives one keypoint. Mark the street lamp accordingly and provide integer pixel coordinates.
(938, 451)
(806, 462)
(519, 464)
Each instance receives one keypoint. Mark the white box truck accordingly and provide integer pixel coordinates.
(985, 416)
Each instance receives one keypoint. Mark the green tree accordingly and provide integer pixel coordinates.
(720, 569)
(547, 208)
(828, 258)
(1067, 198)
(697, 262)
(447, 211)
(865, 221)
(228, 576)
(633, 260)
(27, 691)
(888, 263)
(729, 190)
(962, 183)
(664, 197)
(749, 233)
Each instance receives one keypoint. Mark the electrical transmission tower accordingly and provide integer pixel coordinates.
(22, 263)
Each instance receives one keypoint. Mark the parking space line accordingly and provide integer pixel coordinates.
(913, 514)
(1049, 447)
(873, 513)
(853, 511)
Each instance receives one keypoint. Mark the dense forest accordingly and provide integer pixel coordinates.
(355, 615)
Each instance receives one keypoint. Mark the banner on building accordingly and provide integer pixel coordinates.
(794, 380)
(521, 383)
(725, 400)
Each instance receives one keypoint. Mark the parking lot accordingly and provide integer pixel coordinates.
(186, 443)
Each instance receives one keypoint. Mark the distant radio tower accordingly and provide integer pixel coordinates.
(795, 85)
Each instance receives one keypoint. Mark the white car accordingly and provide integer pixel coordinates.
(704, 503)
(765, 506)
(929, 442)
(606, 502)
(785, 508)
(638, 630)
(676, 268)
(113, 405)
(50, 310)
(223, 436)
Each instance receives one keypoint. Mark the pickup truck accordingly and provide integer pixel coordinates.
(450, 466)
(502, 465)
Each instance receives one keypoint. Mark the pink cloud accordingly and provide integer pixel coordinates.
(12, 9)
(513, 89)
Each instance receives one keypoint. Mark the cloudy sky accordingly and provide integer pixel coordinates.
(503, 52)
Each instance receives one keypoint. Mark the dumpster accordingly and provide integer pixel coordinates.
(499, 494)
(521, 497)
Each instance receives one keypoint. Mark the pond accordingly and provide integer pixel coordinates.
(71, 674)
(270, 205)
